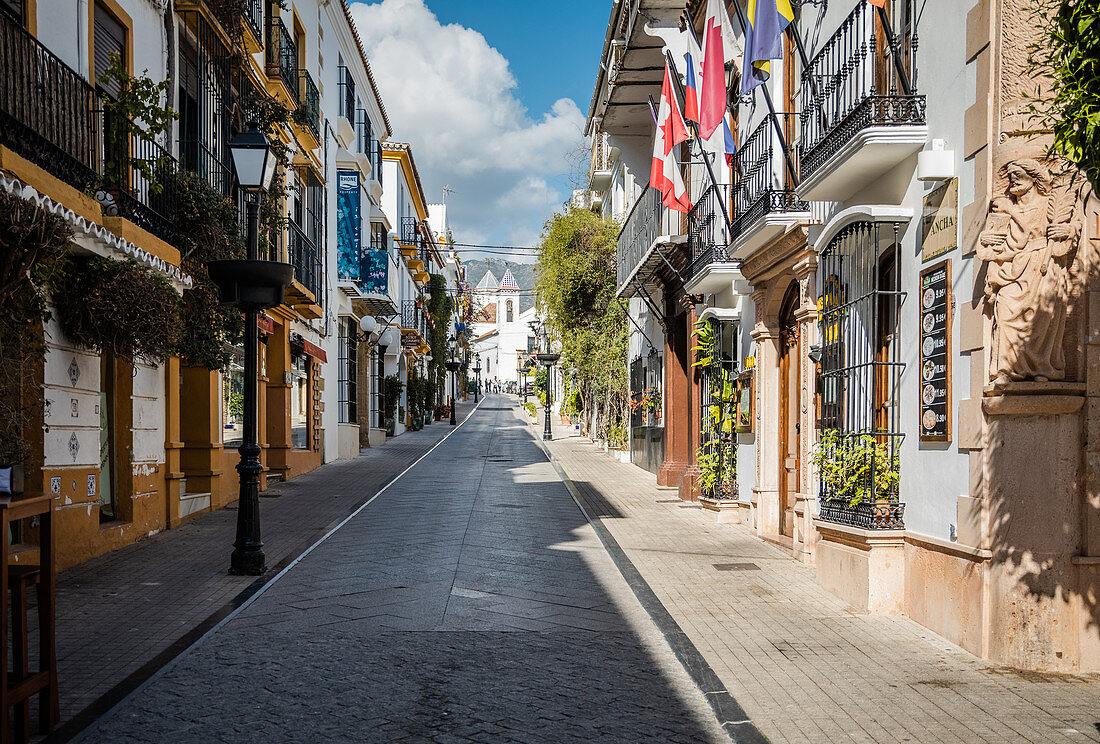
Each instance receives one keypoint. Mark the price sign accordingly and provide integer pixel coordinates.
(935, 353)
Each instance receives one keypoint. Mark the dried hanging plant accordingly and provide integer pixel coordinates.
(121, 307)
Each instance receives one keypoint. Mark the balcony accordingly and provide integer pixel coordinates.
(254, 19)
(762, 204)
(711, 269)
(861, 118)
(599, 168)
(367, 148)
(53, 118)
(308, 113)
(303, 254)
(282, 56)
(347, 95)
(200, 159)
(345, 122)
(410, 237)
(649, 221)
(375, 156)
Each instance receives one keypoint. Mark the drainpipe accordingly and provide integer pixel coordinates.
(82, 40)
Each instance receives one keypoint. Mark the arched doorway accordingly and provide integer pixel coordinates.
(790, 454)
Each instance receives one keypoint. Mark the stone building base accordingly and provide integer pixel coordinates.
(865, 568)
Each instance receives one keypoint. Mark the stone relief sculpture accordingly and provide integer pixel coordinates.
(1031, 238)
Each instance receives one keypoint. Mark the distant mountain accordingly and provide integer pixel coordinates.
(523, 272)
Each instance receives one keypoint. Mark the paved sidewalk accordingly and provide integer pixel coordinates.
(470, 602)
(124, 614)
(804, 665)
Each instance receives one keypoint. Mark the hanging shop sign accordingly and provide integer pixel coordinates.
(940, 221)
(744, 416)
(349, 225)
(935, 353)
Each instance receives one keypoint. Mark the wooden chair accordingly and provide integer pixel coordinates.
(21, 684)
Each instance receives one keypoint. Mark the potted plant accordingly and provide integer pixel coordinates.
(858, 469)
(392, 389)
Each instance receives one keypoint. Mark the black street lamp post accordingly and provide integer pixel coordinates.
(477, 372)
(452, 366)
(251, 285)
(548, 360)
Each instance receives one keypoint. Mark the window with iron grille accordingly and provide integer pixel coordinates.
(378, 388)
(348, 353)
(860, 298)
(717, 440)
(645, 390)
(637, 385)
(205, 119)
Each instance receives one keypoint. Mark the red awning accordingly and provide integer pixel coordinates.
(314, 351)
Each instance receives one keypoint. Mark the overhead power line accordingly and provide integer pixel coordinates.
(499, 248)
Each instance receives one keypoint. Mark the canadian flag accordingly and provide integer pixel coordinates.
(671, 131)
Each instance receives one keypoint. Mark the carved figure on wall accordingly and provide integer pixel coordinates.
(1031, 238)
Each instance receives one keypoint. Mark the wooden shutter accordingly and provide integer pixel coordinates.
(109, 39)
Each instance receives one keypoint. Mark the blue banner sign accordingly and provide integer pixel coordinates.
(376, 269)
(349, 226)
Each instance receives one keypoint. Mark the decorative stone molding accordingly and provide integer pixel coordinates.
(1031, 238)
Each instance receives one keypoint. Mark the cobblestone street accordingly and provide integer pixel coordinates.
(471, 601)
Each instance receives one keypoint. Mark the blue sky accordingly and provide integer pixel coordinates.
(492, 95)
(553, 47)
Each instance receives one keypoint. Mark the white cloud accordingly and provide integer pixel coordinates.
(453, 97)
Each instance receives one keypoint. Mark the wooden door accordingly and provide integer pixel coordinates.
(790, 456)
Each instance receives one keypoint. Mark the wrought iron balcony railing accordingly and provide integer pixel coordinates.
(366, 144)
(347, 95)
(760, 185)
(46, 109)
(409, 233)
(306, 259)
(408, 313)
(708, 236)
(254, 14)
(856, 81)
(281, 53)
(199, 158)
(52, 117)
(375, 157)
(363, 133)
(648, 220)
(137, 176)
(309, 103)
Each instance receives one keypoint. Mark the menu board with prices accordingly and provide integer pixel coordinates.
(935, 353)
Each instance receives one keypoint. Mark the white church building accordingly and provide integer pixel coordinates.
(502, 336)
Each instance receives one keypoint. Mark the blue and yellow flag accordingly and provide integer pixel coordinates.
(764, 39)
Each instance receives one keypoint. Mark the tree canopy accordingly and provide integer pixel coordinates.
(575, 287)
(1067, 56)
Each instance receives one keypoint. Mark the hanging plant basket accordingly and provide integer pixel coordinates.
(121, 307)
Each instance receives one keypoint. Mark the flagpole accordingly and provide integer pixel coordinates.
(771, 107)
(695, 127)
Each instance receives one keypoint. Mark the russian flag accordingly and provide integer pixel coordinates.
(728, 144)
(694, 58)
